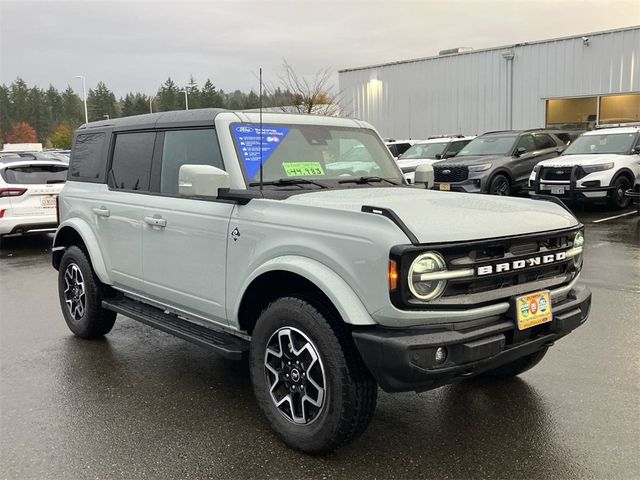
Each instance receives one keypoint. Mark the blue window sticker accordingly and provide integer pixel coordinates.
(248, 140)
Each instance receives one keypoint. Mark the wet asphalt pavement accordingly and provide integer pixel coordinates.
(143, 404)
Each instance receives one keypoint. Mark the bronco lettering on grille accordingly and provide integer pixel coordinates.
(520, 264)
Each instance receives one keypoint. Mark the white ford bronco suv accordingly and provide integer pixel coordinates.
(331, 283)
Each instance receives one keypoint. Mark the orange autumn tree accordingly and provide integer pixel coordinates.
(22, 133)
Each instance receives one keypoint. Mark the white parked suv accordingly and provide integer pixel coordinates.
(430, 151)
(28, 191)
(599, 165)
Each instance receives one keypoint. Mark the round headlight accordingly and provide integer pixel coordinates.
(578, 242)
(421, 287)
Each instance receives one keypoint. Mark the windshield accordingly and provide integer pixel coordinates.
(424, 150)
(490, 145)
(35, 174)
(606, 143)
(320, 152)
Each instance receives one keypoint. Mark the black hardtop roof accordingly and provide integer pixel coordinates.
(176, 118)
(527, 130)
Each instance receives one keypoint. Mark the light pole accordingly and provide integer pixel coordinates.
(186, 99)
(151, 98)
(84, 93)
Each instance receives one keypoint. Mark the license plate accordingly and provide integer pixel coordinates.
(533, 309)
(445, 187)
(48, 201)
(558, 190)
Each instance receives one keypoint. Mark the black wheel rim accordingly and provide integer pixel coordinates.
(74, 292)
(501, 187)
(295, 376)
(621, 186)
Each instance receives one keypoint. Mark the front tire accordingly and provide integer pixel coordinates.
(518, 366)
(81, 295)
(500, 185)
(308, 377)
(617, 197)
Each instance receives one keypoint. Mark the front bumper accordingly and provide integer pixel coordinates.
(403, 359)
(471, 185)
(575, 189)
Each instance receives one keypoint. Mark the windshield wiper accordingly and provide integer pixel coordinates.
(289, 181)
(371, 179)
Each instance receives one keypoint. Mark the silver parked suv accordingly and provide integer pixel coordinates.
(331, 282)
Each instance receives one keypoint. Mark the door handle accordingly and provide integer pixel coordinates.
(156, 221)
(101, 212)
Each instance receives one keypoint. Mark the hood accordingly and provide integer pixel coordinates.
(571, 160)
(436, 217)
(470, 160)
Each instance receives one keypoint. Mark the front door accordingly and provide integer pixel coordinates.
(184, 240)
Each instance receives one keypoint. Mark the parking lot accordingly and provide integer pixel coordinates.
(143, 404)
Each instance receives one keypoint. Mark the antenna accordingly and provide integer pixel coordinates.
(261, 133)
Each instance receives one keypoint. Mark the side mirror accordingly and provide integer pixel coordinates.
(438, 156)
(559, 150)
(201, 180)
(635, 150)
(520, 151)
(424, 174)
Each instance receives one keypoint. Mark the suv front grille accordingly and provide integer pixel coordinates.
(557, 174)
(450, 173)
(477, 290)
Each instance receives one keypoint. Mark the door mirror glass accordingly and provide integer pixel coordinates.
(635, 150)
(520, 151)
(424, 175)
(201, 180)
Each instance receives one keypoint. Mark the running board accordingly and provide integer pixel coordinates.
(224, 344)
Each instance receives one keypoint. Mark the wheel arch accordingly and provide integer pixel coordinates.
(77, 232)
(297, 275)
(627, 173)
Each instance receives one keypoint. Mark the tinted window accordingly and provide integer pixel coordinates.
(604, 143)
(402, 147)
(526, 142)
(489, 145)
(455, 147)
(131, 166)
(193, 147)
(35, 174)
(86, 158)
(543, 141)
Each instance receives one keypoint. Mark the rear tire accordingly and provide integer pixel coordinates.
(340, 392)
(500, 185)
(81, 295)
(518, 366)
(617, 197)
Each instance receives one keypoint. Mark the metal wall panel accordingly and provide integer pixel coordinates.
(470, 92)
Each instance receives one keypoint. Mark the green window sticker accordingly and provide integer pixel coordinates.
(302, 169)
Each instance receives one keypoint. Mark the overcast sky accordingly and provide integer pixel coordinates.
(136, 45)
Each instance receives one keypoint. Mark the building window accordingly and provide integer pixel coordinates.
(572, 113)
(620, 109)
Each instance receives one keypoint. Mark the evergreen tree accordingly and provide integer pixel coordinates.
(101, 102)
(210, 97)
(72, 108)
(168, 96)
(252, 100)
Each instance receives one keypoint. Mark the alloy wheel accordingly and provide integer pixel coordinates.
(295, 375)
(74, 293)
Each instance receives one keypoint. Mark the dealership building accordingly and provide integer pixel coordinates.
(572, 82)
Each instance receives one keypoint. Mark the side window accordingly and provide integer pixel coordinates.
(131, 165)
(526, 142)
(87, 158)
(543, 141)
(187, 147)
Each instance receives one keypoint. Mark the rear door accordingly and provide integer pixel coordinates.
(185, 239)
(34, 188)
(119, 213)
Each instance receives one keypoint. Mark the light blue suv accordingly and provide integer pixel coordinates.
(240, 235)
